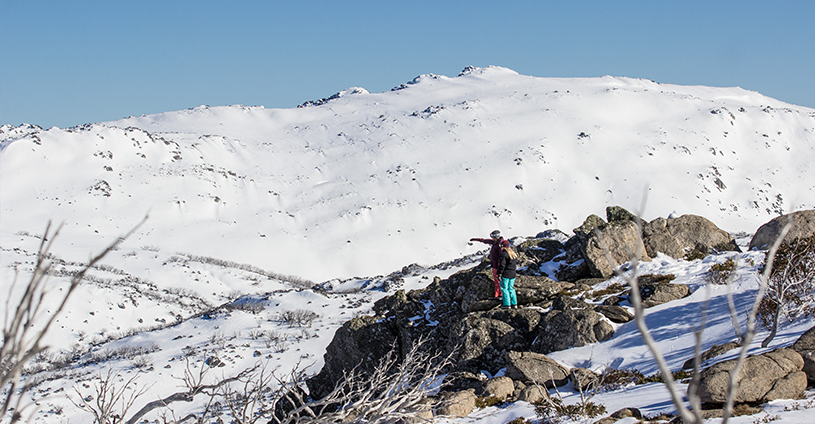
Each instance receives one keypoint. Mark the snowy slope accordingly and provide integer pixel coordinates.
(409, 175)
(361, 184)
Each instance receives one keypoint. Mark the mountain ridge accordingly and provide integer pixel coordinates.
(314, 191)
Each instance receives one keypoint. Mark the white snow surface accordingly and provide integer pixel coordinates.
(358, 185)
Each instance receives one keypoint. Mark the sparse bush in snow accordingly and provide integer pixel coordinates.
(25, 326)
(275, 340)
(298, 317)
(249, 304)
(721, 273)
(791, 286)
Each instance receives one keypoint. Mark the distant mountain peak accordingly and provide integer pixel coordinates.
(343, 93)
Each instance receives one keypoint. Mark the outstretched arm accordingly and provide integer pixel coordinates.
(485, 241)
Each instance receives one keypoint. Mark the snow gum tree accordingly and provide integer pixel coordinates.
(791, 286)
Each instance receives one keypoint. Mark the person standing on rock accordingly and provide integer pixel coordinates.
(506, 270)
(495, 257)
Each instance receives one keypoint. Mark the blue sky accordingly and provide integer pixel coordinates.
(65, 63)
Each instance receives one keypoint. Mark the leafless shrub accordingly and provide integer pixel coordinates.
(295, 281)
(552, 409)
(721, 273)
(276, 341)
(108, 401)
(142, 362)
(791, 286)
(26, 323)
(249, 304)
(255, 334)
(298, 317)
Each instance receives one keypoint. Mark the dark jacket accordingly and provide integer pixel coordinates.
(507, 265)
(495, 251)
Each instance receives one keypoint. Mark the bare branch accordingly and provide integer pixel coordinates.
(24, 331)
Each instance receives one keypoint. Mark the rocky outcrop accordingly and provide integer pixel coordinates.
(498, 387)
(657, 293)
(532, 394)
(675, 236)
(620, 414)
(536, 369)
(620, 241)
(766, 377)
(805, 346)
(711, 353)
(459, 317)
(456, 404)
(560, 330)
(803, 225)
(360, 342)
(614, 313)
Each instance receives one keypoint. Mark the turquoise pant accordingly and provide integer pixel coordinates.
(508, 292)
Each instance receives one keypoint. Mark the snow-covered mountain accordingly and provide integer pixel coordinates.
(361, 184)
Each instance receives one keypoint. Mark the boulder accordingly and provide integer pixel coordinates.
(535, 368)
(653, 294)
(478, 294)
(532, 394)
(462, 380)
(560, 330)
(803, 225)
(541, 251)
(805, 346)
(614, 313)
(674, 236)
(573, 271)
(621, 239)
(711, 353)
(361, 342)
(534, 289)
(498, 387)
(620, 414)
(619, 214)
(658, 239)
(562, 303)
(591, 223)
(583, 379)
(483, 342)
(456, 404)
(769, 376)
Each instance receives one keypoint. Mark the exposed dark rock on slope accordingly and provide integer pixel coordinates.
(459, 315)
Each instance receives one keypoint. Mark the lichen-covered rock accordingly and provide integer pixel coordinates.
(762, 378)
(456, 404)
(361, 342)
(534, 289)
(805, 346)
(614, 313)
(583, 379)
(619, 214)
(673, 236)
(803, 225)
(562, 303)
(619, 240)
(711, 353)
(498, 387)
(483, 342)
(532, 394)
(653, 294)
(560, 330)
(536, 368)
